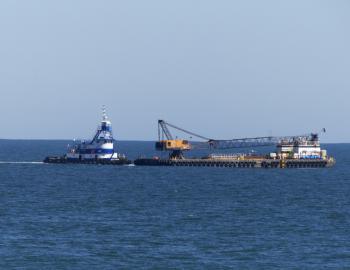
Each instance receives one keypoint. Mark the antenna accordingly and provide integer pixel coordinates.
(104, 114)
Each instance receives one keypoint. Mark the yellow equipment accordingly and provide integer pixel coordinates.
(171, 145)
(166, 142)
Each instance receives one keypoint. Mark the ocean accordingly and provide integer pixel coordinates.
(127, 217)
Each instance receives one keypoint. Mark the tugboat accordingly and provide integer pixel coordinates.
(100, 150)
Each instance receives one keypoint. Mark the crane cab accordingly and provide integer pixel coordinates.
(173, 145)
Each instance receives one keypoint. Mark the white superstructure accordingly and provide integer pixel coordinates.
(301, 148)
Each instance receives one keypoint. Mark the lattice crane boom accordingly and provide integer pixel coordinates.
(179, 145)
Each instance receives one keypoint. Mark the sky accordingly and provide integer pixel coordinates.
(224, 69)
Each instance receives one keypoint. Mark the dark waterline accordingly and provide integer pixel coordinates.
(106, 217)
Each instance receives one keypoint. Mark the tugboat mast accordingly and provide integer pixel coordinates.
(104, 114)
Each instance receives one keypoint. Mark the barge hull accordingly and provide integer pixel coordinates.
(265, 163)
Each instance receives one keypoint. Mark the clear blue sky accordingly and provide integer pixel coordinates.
(221, 68)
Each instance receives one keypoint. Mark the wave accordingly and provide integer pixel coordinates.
(130, 165)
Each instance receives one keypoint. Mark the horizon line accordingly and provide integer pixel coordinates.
(121, 140)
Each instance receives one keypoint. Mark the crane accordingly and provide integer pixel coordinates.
(166, 141)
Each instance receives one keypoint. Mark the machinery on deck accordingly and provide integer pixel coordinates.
(176, 147)
(166, 141)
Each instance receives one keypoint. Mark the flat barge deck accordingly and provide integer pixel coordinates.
(248, 163)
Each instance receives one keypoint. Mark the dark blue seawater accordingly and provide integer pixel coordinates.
(105, 217)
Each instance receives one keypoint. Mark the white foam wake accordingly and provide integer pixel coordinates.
(21, 162)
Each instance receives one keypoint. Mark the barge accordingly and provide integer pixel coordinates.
(246, 163)
(292, 152)
(100, 150)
